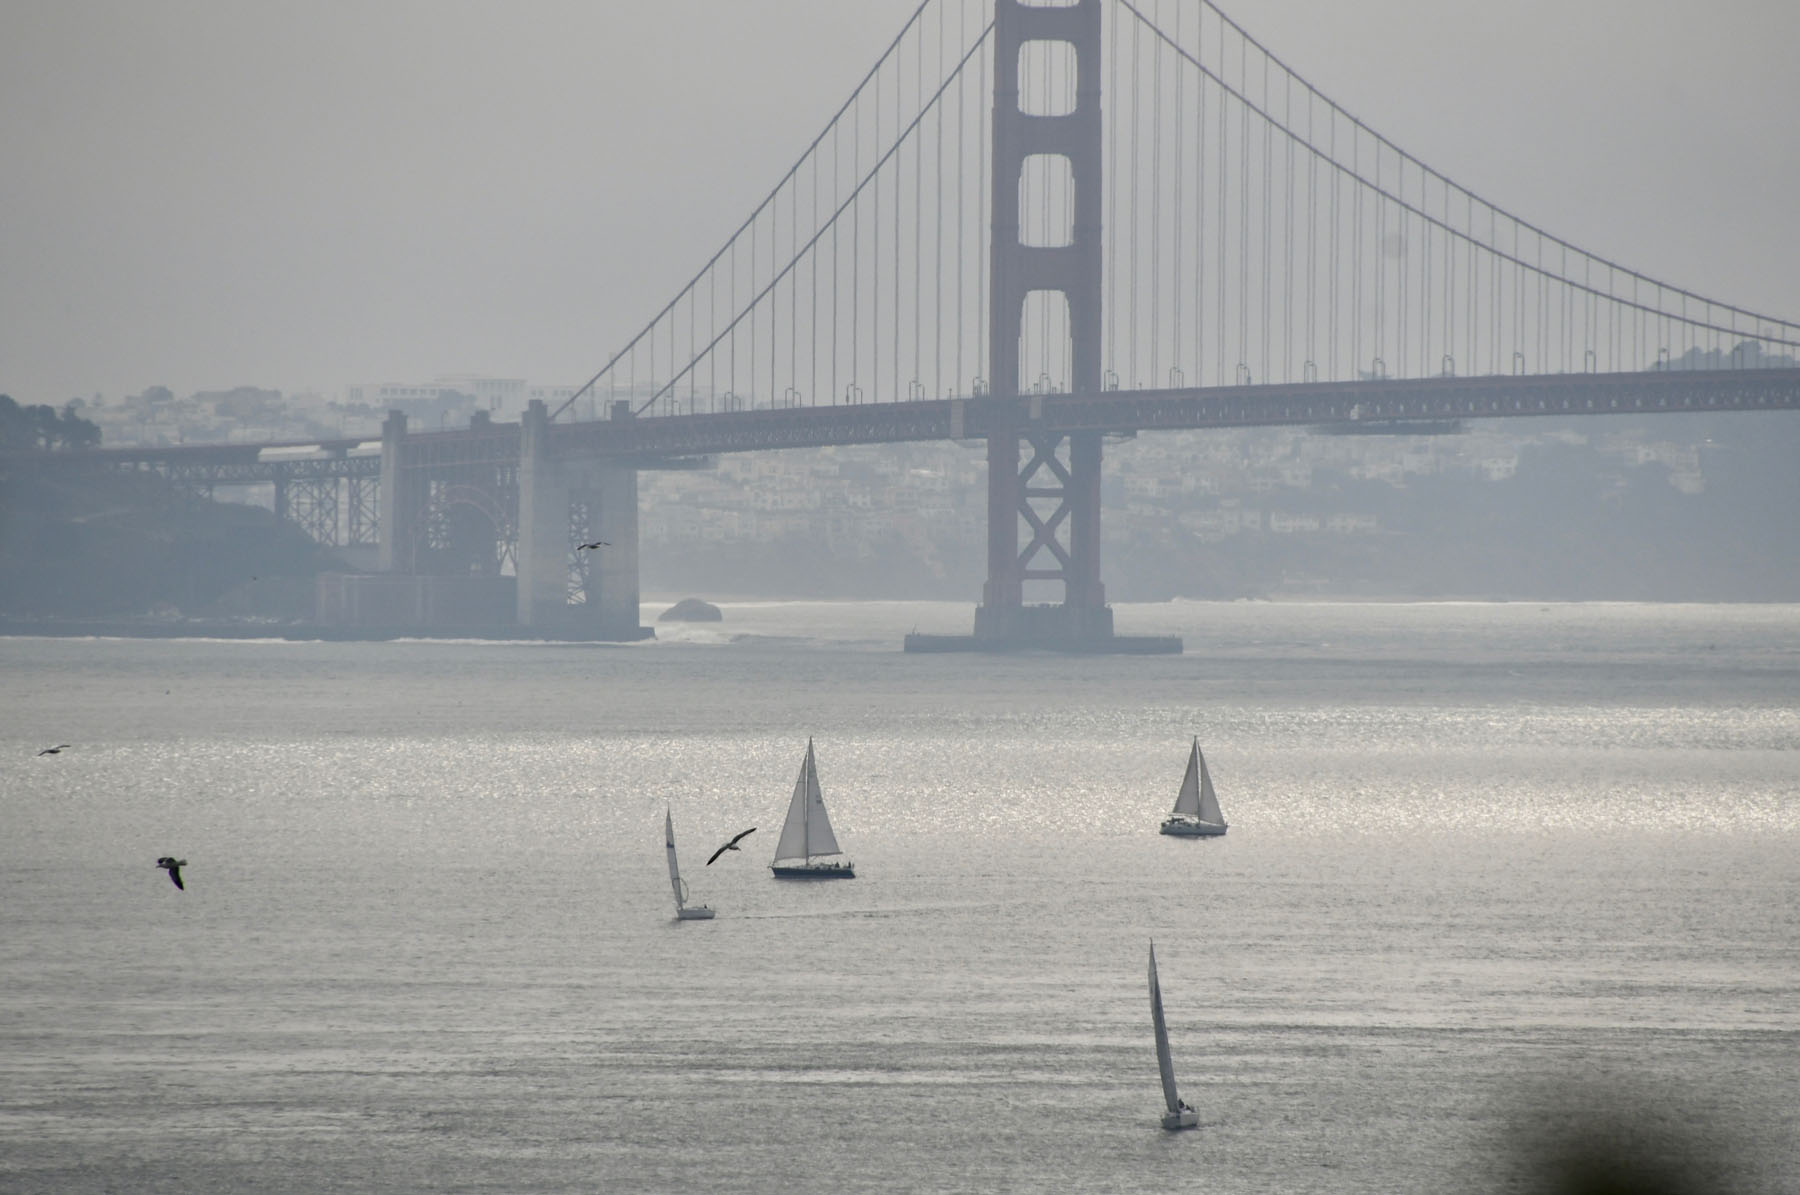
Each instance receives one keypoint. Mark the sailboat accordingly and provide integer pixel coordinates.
(1179, 1115)
(807, 843)
(1196, 813)
(683, 910)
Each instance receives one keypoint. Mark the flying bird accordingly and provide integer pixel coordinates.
(56, 750)
(599, 543)
(173, 866)
(732, 845)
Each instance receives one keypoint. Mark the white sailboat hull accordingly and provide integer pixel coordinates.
(693, 913)
(814, 870)
(1183, 827)
(1187, 1118)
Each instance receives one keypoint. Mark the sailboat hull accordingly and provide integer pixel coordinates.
(813, 871)
(1192, 828)
(694, 913)
(1187, 1118)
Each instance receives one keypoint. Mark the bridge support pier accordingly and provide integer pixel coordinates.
(587, 594)
(401, 498)
(1065, 470)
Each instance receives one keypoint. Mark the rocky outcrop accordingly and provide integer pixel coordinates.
(692, 610)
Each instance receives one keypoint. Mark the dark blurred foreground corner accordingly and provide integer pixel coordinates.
(1580, 1139)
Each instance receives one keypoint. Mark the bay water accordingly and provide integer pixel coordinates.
(1493, 870)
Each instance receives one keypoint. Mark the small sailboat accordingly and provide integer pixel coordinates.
(807, 844)
(1179, 1115)
(683, 910)
(1196, 813)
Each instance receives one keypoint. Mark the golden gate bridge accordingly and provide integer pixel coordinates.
(1031, 225)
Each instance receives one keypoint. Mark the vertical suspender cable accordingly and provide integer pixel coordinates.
(1200, 207)
(1268, 206)
(1287, 251)
(1312, 239)
(1356, 251)
(937, 224)
(962, 109)
(982, 228)
(1174, 224)
(1336, 186)
(1223, 204)
(1243, 205)
(899, 159)
(918, 287)
(1155, 208)
(1131, 273)
(875, 260)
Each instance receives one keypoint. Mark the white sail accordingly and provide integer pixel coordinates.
(1187, 802)
(1209, 800)
(1163, 1062)
(674, 869)
(806, 833)
(1197, 799)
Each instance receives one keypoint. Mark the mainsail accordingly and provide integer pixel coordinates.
(807, 831)
(674, 870)
(1197, 798)
(1163, 1062)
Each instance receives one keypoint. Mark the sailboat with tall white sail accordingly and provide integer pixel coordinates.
(1196, 813)
(1179, 1115)
(808, 850)
(683, 910)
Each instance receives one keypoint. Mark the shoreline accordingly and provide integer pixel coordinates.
(296, 632)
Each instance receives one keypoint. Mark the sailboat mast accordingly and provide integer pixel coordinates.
(812, 786)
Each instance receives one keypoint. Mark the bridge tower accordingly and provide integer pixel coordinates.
(566, 500)
(1063, 469)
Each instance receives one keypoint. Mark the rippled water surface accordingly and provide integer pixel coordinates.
(1485, 862)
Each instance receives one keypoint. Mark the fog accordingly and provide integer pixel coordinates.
(202, 194)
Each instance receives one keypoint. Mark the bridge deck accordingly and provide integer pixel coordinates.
(1115, 411)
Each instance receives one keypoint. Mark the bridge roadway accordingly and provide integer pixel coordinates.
(648, 442)
(1301, 404)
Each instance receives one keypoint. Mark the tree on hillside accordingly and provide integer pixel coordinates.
(42, 429)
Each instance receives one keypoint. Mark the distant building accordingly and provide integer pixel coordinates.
(457, 394)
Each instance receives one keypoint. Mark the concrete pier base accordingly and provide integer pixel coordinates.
(1062, 628)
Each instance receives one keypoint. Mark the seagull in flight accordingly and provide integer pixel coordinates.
(599, 543)
(732, 845)
(173, 866)
(56, 750)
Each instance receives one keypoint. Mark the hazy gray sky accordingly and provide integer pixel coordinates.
(208, 193)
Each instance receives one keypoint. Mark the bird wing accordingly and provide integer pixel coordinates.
(742, 836)
(175, 874)
(717, 853)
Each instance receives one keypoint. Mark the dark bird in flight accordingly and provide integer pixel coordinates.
(56, 750)
(599, 543)
(732, 845)
(173, 866)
